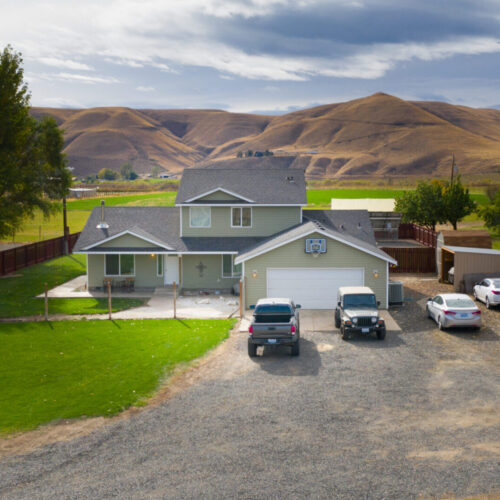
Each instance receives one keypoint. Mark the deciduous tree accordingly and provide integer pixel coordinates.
(33, 169)
(457, 201)
(424, 205)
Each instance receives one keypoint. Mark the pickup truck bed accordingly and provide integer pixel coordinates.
(274, 324)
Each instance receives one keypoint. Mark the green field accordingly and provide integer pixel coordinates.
(69, 369)
(40, 228)
(19, 291)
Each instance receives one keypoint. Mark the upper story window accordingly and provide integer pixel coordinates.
(241, 217)
(200, 217)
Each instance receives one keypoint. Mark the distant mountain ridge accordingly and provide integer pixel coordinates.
(371, 136)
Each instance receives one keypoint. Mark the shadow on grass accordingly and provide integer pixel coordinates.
(81, 264)
(183, 323)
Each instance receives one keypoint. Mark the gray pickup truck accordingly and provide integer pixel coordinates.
(274, 322)
(357, 312)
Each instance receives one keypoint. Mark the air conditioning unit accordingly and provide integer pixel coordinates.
(396, 295)
(315, 245)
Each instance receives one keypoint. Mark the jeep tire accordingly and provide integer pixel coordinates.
(381, 334)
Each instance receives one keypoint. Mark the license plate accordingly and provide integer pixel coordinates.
(365, 330)
(464, 315)
(271, 341)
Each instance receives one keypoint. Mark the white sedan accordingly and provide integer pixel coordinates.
(453, 309)
(488, 291)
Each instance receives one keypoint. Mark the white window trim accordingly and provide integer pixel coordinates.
(158, 258)
(119, 267)
(207, 193)
(161, 245)
(200, 227)
(233, 276)
(241, 218)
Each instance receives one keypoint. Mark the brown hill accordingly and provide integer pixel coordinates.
(376, 135)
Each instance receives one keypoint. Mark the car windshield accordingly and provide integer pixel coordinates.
(465, 302)
(273, 309)
(496, 283)
(359, 300)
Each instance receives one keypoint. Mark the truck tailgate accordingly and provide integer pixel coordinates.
(272, 330)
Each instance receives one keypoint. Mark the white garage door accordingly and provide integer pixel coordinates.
(312, 288)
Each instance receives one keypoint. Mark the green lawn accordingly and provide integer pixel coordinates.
(321, 198)
(69, 369)
(19, 292)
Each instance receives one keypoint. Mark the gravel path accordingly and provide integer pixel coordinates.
(415, 416)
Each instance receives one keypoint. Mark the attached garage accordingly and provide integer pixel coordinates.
(312, 288)
(285, 266)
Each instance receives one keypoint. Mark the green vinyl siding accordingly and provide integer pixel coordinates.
(128, 241)
(338, 255)
(206, 276)
(265, 222)
(145, 271)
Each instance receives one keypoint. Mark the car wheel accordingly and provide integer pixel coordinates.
(337, 322)
(488, 305)
(296, 349)
(440, 323)
(381, 334)
(252, 349)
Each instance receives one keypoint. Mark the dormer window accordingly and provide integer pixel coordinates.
(241, 217)
(200, 217)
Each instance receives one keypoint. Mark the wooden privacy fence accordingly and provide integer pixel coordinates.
(413, 260)
(26, 255)
(421, 234)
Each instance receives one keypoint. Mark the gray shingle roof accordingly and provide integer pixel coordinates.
(159, 224)
(269, 186)
(339, 224)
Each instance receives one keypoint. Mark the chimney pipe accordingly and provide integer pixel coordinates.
(103, 224)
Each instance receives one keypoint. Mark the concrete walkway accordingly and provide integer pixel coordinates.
(76, 288)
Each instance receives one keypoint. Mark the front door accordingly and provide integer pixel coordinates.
(171, 272)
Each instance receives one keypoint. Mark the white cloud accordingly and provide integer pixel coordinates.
(159, 34)
(65, 63)
(141, 88)
(62, 102)
(84, 78)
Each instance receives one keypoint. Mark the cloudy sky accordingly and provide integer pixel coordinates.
(254, 55)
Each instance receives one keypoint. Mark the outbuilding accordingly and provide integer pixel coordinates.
(471, 265)
(474, 238)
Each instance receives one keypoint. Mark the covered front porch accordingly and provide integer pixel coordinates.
(147, 270)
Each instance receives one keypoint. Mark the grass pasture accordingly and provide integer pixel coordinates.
(19, 291)
(70, 369)
(41, 228)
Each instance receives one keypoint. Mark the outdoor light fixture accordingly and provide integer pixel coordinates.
(375, 273)
(254, 273)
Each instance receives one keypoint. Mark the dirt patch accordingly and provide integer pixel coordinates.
(67, 430)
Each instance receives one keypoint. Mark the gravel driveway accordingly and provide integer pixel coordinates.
(415, 416)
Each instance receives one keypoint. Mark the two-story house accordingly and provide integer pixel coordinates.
(232, 224)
